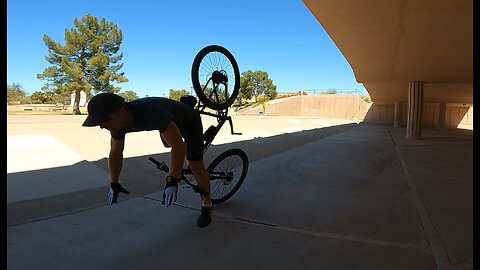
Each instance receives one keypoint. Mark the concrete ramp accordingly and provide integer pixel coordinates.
(39, 165)
(346, 106)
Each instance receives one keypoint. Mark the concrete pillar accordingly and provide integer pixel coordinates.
(415, 106)
(397, 116)
(441, 115)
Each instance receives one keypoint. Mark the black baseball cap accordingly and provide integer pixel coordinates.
(100, 106)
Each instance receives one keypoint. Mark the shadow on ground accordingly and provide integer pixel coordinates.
(139, 175)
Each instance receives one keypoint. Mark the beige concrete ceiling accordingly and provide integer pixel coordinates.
(396, 41)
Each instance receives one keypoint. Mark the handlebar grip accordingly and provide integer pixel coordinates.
(160, 165)
(154, 161)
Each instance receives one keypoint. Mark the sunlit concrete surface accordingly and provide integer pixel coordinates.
(29, 157)
(38, 151)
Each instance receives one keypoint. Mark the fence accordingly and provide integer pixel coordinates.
(334, 91)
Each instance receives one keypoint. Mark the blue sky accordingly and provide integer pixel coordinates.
(162, 37)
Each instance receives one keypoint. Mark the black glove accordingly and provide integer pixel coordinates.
(115, 189)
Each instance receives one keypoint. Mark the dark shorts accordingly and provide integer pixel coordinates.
(193, 136)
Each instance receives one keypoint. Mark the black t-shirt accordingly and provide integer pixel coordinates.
(155, 113)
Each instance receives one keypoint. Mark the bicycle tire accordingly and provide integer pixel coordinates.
(234, 163)
(210, 60)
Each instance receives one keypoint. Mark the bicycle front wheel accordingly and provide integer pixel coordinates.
(215, 77)
(227, 173)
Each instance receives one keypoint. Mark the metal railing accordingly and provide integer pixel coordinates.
(333, 91)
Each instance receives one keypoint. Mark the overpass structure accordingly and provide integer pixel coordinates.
(413, 57)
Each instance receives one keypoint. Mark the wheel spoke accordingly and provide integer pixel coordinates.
(223, 186)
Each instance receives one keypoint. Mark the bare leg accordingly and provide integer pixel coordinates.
(203, 179)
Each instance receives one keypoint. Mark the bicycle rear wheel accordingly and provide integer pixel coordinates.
(215, 77)
(227, 173)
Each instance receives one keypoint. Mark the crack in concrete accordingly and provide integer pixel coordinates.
(334, 236)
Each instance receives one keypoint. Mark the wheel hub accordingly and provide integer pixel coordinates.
(219, 77)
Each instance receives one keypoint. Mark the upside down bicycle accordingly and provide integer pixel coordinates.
(216, 81)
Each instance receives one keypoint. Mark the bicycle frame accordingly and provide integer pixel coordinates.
(221, 115)
(230, 167)
(209, 135)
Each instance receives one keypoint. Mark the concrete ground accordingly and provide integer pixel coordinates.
(319, 194)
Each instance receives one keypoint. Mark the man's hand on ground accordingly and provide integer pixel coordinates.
(170, 192)
(115, 189)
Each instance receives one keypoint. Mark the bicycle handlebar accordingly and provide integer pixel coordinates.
(162, 166)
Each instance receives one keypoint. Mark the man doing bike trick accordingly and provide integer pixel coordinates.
(180, 128)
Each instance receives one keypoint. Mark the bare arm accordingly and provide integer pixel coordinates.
(173, 138)
(115, 159)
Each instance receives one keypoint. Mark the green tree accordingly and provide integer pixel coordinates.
(43, 97)
(367, 99)
(255, 84)
(246, 87)
(177, 94)
(15, 92)
(128, 95)
(89, 60)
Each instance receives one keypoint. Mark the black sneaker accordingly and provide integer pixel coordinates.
(204, 218)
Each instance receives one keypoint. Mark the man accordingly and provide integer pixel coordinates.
(180, 128)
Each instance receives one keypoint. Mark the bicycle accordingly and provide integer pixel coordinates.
(212, 68)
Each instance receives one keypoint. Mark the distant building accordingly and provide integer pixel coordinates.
(83, 99)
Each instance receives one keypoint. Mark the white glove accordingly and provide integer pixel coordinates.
(170, 191)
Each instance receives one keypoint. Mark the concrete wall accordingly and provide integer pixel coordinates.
(83, 99)
(353, 107)
(321, 106)
(456, 115)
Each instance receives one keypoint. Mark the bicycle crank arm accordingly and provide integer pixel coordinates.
(221, 176)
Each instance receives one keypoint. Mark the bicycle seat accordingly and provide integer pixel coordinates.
(189, 100)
